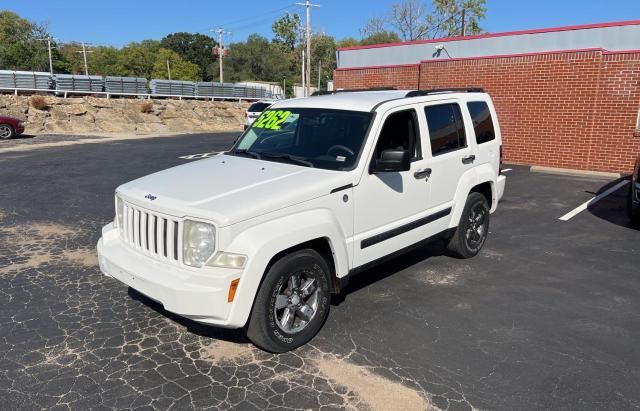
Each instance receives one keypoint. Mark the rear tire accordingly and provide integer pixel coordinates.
(6, 132)
(292, 303)
(471, 233)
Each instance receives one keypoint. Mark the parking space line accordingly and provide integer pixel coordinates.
(594, 200)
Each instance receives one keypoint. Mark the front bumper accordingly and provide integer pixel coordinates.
(198, 294)
(19, 129)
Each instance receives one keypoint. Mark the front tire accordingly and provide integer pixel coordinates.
(6, 132)
(292, 303)
(471, 233)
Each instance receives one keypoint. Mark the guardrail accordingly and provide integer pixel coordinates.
(66, 93)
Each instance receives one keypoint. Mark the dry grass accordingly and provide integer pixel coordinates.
(39, 102)
(146, 107)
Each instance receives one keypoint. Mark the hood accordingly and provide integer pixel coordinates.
(228, 189)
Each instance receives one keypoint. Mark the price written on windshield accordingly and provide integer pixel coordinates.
(272, 119)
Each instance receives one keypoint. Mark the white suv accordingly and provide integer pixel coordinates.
(316, 190)
(255, 110)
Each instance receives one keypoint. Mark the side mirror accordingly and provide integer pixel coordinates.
(393, 160)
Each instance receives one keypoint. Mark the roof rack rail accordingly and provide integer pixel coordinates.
(355, 90)
(418, 93)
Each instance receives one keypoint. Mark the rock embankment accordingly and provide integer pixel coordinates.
(86, 115)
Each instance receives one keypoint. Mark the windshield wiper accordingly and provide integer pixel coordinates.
(290, 158)
(247, 153)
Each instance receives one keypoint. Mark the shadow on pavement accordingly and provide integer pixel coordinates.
(613, 208)
(236, 336)
(388, 268)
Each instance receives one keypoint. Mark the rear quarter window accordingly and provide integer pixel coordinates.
(482, 121)
(258, 107)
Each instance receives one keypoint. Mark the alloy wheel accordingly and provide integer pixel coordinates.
(296, 302)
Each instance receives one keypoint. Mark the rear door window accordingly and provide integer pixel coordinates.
(482, 121)
(446, 129)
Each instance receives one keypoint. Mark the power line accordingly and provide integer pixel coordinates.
(308, 5)
(84, 52)
(220, 49)
(48, 40)
(261, 15)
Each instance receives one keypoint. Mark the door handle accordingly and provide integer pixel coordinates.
(422, 173)
(468, 159)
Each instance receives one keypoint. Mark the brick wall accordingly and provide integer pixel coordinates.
(567, 109)
(405, 76)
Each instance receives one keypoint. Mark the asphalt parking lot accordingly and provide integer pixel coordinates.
(547, 316)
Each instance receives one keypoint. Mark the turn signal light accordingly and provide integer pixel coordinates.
(232, 290)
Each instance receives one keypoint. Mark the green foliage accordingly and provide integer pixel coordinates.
(348, 42)
(196, 48)
(447, 18)
(137, 59)
(256, 59)
(413, 22)
(380, 38)
(20, 48)
(180, 68)
(286, 30)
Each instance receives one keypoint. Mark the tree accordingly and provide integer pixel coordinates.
(374, 26)
(348, 42)
(193, 47)
(446, 21)
(286, 30)
(137, 59)
(381, 38)
(256, 59)
(180, 68)
(105, 61)
(20, 48)
(409, 17)
(323, 58)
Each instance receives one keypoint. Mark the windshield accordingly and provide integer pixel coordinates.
(322, 138)
(258, 107)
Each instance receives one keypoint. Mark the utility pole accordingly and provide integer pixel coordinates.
(48, 40)
(168, 69)
(463, 22)
(304, 89)
(220, 49)
(319, 72)
(308, 5)
(84, 52)
(284, 87)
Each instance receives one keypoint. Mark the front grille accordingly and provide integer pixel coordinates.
(154, 234)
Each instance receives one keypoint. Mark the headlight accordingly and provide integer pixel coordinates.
(119, 220)
(199, 243)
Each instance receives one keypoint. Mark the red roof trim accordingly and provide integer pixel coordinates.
(377, 67)
(608, 52)
(507, 33)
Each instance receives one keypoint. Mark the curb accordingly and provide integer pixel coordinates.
(574, 172)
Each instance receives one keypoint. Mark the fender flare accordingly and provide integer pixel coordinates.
(264, 241)
(471, 178)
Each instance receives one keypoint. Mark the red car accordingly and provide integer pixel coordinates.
(10, 127)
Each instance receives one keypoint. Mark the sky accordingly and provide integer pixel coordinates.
(118, 22)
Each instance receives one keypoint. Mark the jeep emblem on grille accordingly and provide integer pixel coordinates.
(150, 197)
